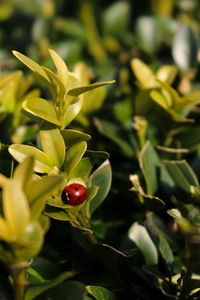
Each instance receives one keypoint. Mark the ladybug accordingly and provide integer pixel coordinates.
(74, 194)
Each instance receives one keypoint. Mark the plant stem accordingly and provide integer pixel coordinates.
(91, 237)
(19, 283)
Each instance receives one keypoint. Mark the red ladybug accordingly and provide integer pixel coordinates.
(74, 194)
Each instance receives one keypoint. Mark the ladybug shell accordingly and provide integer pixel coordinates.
(74, 194)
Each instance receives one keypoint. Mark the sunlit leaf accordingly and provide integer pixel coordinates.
(43, 163)
(72, 111)
(4, 230)
(53, 144)
(32, 241)
(31, 65)
(57, 213)
(82, 89)
(23, 172)
(16, 210)
(40, 109)
(82, 169)
(72, 136)
(167, 73)
(40, 190)
(102, 179)
(185, 48)
(56, 79)
(61, 67)
(139, 235)
(74, 155)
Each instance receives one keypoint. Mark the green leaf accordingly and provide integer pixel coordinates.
(72, 136)
(154, 171)
(53, 144)
(92, 191)
(95, 155)
(116, 18)
(160, 99)
(43, 163)
(24, 172)
(56, 79)
(61, 67)
(40, 190)
(185, 48)
(73, 156)
(44, 222)
(139, 235)
(73, 82)
(166, 251)
(36, 290)
(31, 65)
(100, 293)
(31, 241)
(57, 213)
(42, 270)
(72, 111)
(101, 178)
(148, 35)
(184, 224)
(82, 89)
(75, 92)
(182, 174)
(82, 169)
(40, 109)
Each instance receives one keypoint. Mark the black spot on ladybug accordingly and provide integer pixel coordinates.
(64, 197)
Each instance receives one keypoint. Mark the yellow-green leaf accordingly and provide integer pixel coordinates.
(32, 240)
(43, 163)
(4, 231)
(73, 82)
(82, 89)
(74, 155)
(159, 99)
(31, 65)
(56, 79)
(143, 73)
(4, 80)
(24, 172)
(72, 136)
(167, 73)
(40, 190)
(72, 111)
(53, 145)
(61, 67)
(41, 109)
(16, 209)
